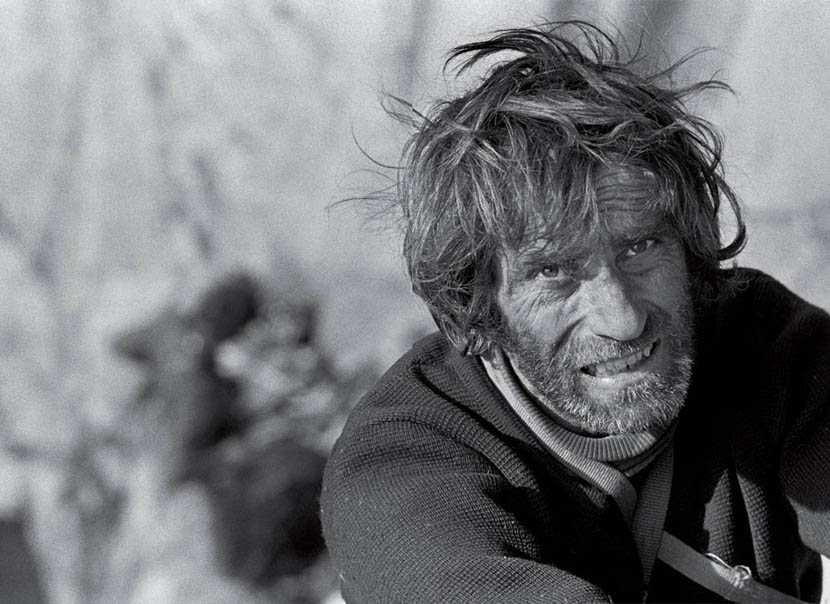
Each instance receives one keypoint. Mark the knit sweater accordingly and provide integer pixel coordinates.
(438, 492)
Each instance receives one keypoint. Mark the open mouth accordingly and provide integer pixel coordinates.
(622, 364)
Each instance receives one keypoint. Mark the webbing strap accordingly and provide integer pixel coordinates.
(647, 526)
(732, 583)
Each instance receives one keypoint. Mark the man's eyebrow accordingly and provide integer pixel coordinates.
(643, 232)
(535, 255)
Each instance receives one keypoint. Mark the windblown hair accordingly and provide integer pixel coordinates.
(517, 157)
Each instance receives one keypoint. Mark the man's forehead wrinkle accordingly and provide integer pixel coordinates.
(626, 187)
(623, 198)
(631, 201)
(632, 222)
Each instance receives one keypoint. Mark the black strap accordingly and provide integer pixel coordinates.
(733, 583)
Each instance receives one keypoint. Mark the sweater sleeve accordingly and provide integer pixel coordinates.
(803, 350)
(413, 515)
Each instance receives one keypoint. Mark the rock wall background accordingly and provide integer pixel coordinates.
(165, 159)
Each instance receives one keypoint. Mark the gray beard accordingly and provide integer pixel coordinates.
(650, 404)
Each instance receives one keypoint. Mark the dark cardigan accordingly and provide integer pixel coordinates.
(437, 492)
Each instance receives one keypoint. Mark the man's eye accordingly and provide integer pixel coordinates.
(551, 271)
(639, 247)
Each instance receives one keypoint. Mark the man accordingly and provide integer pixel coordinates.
(607, 413)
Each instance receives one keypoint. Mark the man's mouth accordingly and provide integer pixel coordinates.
(621, 364)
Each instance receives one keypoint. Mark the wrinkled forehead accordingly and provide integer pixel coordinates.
(624, 188)
(629, 199)
(620, 203)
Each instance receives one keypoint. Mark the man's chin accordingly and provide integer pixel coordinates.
(626, 403)
(600, 420)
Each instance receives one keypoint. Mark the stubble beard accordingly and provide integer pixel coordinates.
(651, 403)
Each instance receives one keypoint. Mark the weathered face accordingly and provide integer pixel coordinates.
(602, 334)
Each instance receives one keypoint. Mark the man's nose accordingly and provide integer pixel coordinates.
(614, 311)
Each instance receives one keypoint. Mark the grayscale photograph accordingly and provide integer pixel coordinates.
(419, 302)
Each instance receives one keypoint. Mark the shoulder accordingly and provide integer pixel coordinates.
(758, 309)
(767, 351)
(424, 381)
(432, 355)
(435, 385)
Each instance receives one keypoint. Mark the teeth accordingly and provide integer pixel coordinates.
(609, 368)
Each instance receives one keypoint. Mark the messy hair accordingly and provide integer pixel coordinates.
(518, 155)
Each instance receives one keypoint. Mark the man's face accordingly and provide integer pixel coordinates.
(602, 335)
